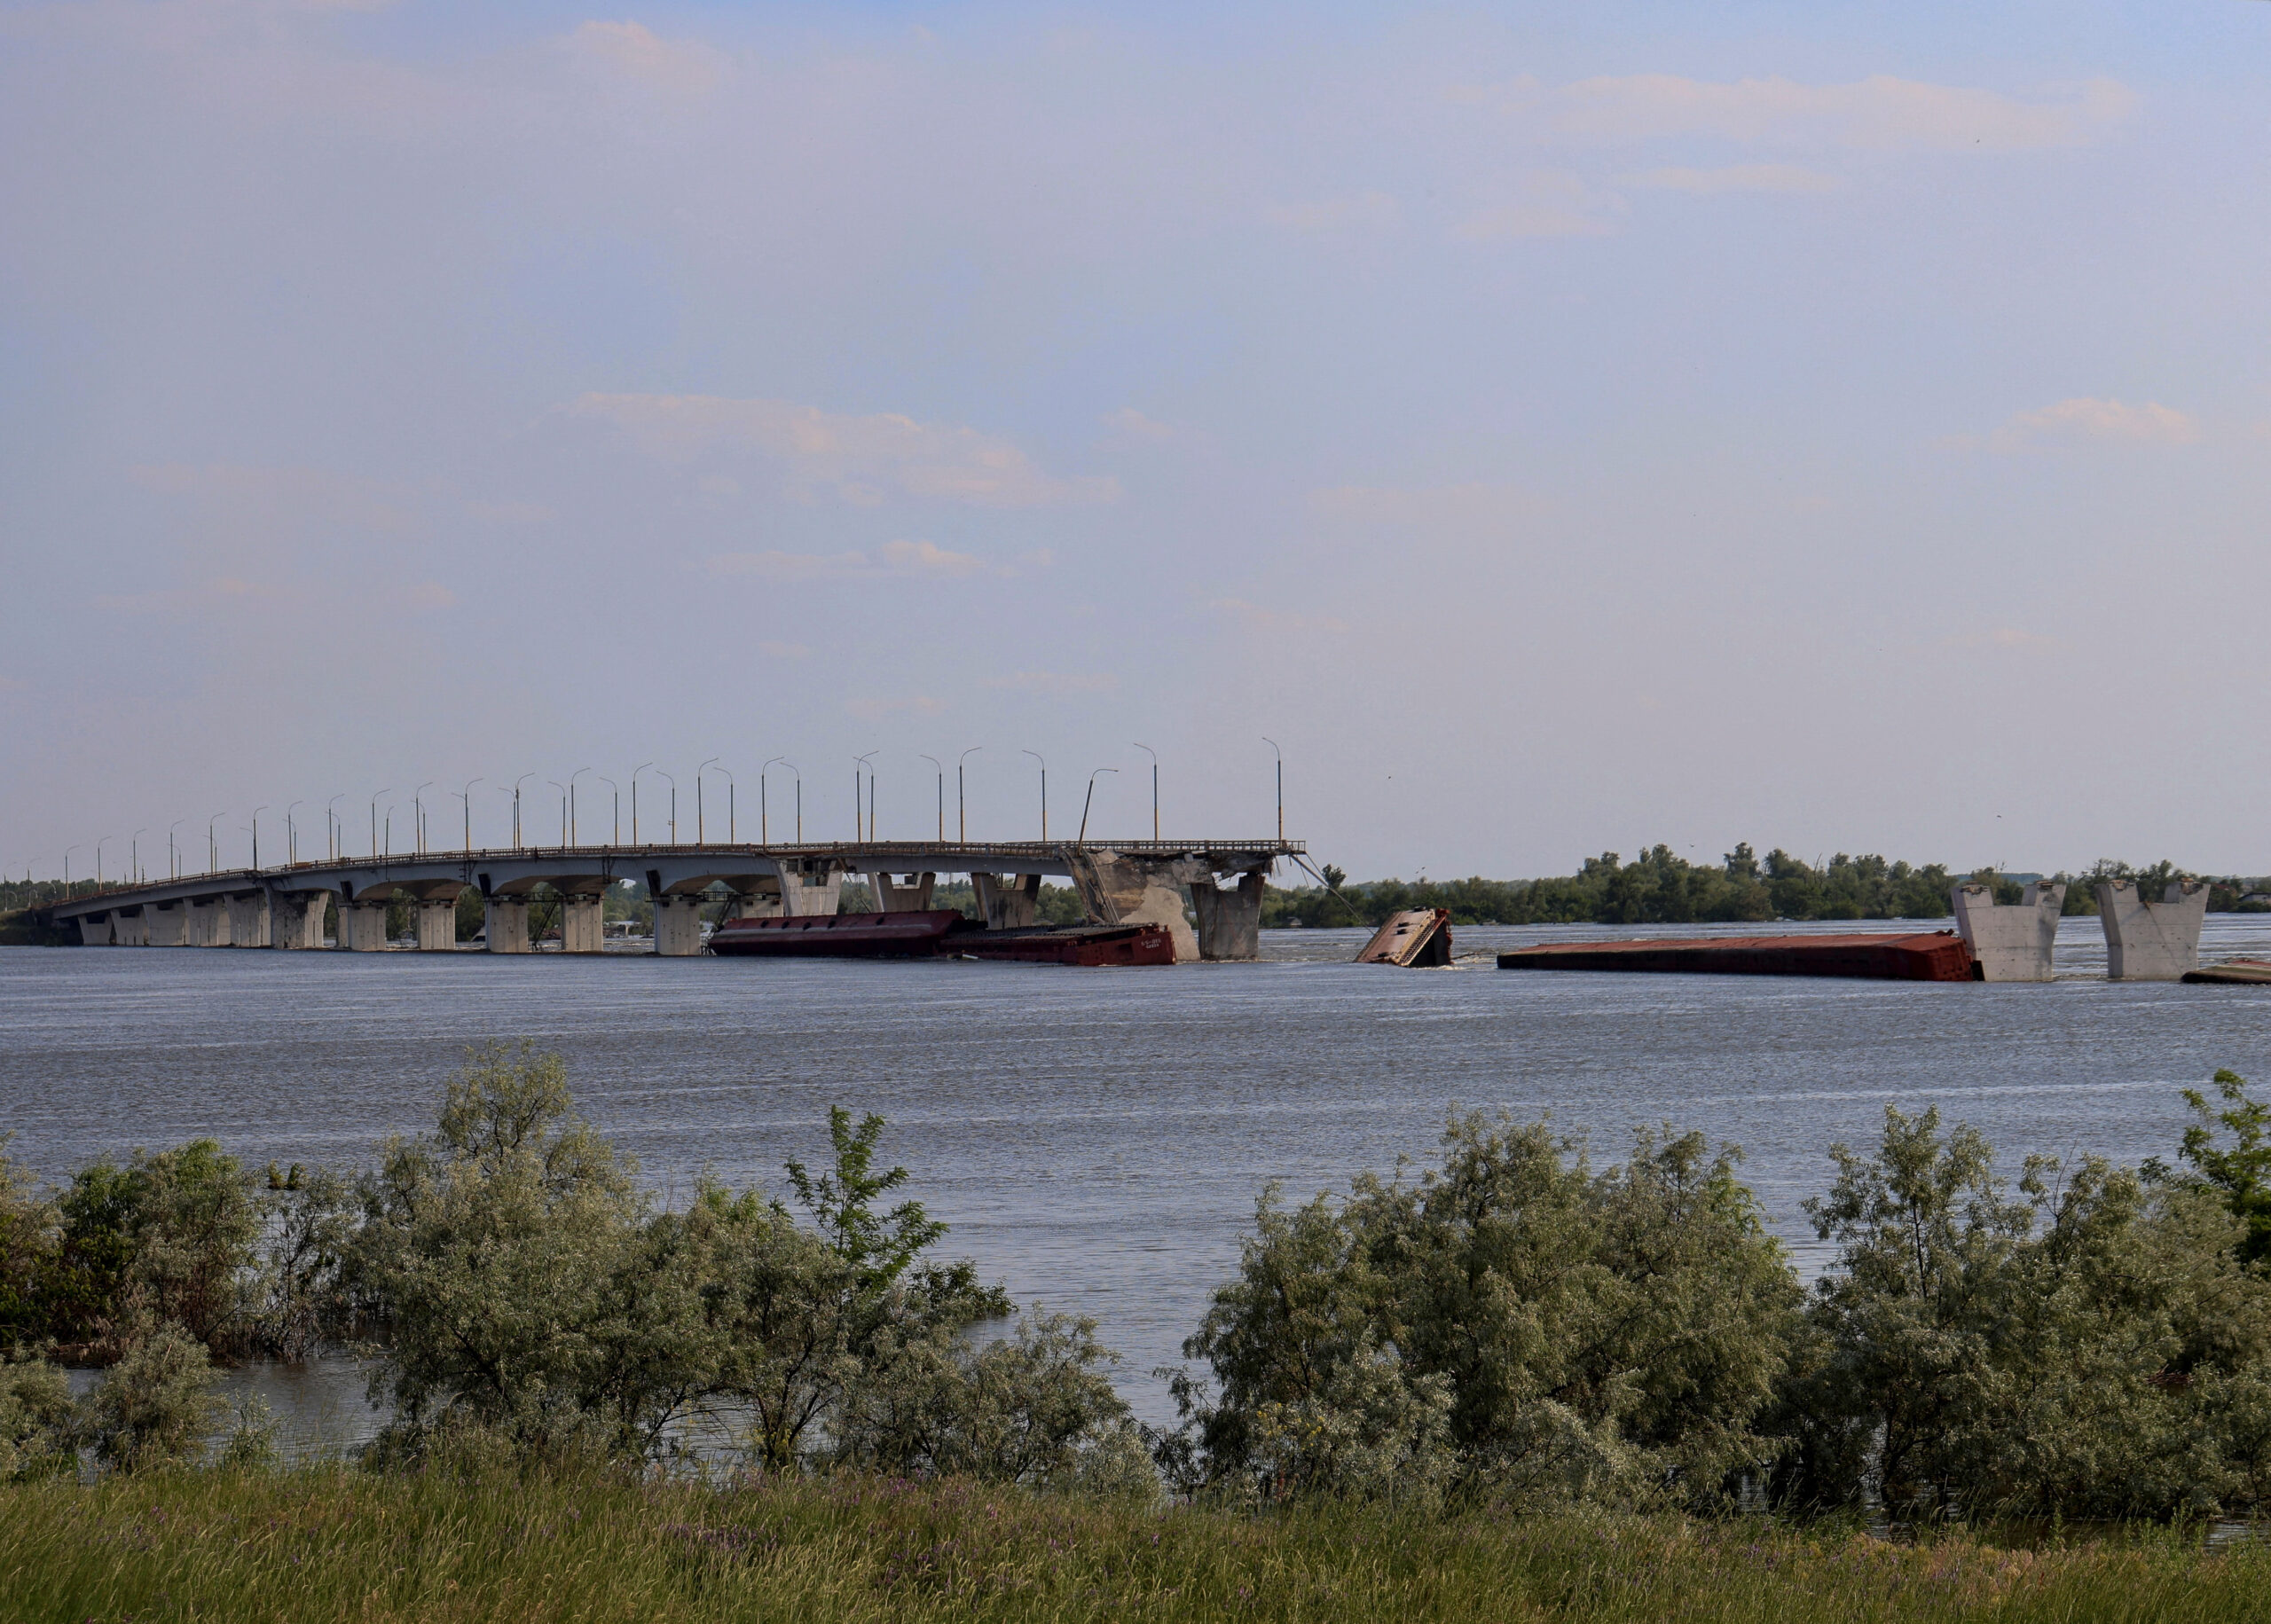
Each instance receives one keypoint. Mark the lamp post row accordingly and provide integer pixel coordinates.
(863, 815)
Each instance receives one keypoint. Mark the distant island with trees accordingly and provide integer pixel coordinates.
(1660, 887)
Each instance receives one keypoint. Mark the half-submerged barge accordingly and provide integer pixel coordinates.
(932, 933)
(1937, 955)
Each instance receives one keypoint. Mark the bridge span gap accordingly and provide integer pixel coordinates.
(1124, 883)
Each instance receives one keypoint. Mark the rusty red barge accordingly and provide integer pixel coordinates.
(933, 933)
(1936, 955)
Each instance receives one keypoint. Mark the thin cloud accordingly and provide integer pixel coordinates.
(681, 69)
(864, 459)
(1546, 203)
(1257, 617)
(1737, 177)
(2083, 420)
(1128, 420)
(1881, 113)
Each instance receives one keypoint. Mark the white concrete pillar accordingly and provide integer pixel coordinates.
(2015, 943)
(207, 924)
(438, 924)
(505, 922)
(678, 925)
(758, 903)
(806, 892)
(581, 927)
(2152, 941)
(94, 930)
(1230, 921)
(295, 919)
(249, 920)
(167, 923)
(363, 927)
(129, 926)
(914, 898)
(1010, 902)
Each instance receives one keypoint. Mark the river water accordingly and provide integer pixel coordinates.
(1097, 1139)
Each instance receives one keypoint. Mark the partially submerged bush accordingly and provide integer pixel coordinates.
(156, 1407)
(38, 1424)
(1515, 1325)
(2096, 1347)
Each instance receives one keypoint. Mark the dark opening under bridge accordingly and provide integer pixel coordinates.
(1123, 882)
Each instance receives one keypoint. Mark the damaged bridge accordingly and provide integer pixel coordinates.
(1125, 882)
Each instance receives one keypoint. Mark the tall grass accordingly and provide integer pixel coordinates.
(331, 1543)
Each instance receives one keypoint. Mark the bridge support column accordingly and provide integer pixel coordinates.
(582, 927)
(363, 926)
(295, 919)
(167, 920)
(1117, 890)
(249, 920)
(2011, 944)
(207, 924)
(130, 927)
(910, 899)
(758, 903)
(438, 924)
(2152, 941)
(1230, 921)
(505, 922)
(678, 926)
(1010, 902)
(94, 930)
(806, 891)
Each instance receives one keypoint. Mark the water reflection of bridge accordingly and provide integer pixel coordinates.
(1124, 883)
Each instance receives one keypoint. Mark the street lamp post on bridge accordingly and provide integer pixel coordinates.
(374, 818)
(701, 830)
(615, 837)
(763, 820)
(635, 772)
(941, 765)
(573, 834)
(1154, 755)
(1083, 835)
(1272, 743)
(465, 801)
(255, 834)
(861, 764)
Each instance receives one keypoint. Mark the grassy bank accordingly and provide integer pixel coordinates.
(324, 1544)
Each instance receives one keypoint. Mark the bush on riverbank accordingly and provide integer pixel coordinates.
(1515, 1330)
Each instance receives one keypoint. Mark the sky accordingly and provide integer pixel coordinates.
(1560, 429)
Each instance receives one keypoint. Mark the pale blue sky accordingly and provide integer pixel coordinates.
(1562, 428)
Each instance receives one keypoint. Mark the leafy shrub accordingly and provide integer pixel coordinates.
(1515, 1325)
(156, 1407)
(37, 1422)
(2095, 1347)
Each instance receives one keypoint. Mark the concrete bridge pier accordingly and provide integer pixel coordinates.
(1120, 890)
(208, 922)
(438, 924)
(505, 923)
(167, 920)
(808, 889)
(582, 922)
(678, 925)
(1010, 902)
(94, 931)
(363, 925)
(914, 897)
(129, 926)
(295, 919)
(762, 900)
(2152, 941)
(1230, 921)
(2015, 943)
(248, 919)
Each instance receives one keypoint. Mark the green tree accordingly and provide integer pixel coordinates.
(2239, 1175)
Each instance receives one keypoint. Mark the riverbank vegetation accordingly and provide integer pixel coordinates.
(1524, 1379)
(1660, 887)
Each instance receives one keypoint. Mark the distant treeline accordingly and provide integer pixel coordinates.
(1660, 887)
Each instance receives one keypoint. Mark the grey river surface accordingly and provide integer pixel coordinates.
(1097, 1138)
